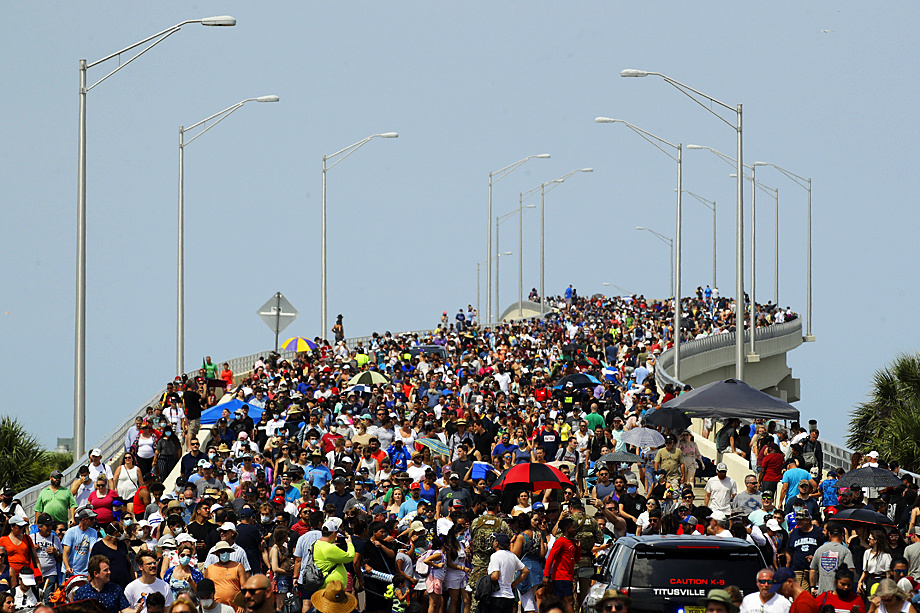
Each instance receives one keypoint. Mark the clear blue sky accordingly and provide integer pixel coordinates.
(470, 87)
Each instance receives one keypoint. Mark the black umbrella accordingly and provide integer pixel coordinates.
(668, 417)
(731, 398)
(863, 516)
(869, 476)
(579, 380)
(620, 456)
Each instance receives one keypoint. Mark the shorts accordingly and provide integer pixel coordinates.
(563, 589)
(455, 580)
(529, 599)
(193, 426)
(434, 585)
(283, 584)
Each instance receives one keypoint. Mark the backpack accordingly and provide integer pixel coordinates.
(312, 578)
(420, 567)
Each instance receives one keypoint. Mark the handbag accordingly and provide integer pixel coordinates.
(420, 567)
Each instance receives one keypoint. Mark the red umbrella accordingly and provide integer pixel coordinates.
(534, 476)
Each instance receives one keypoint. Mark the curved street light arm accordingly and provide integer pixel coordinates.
(648, 136)
(725, 157)
(157, 38)
(710, 204)
(224, 113)
(689, 91)
(351, 149)
(801, 181)
(666, 240)
(504, 172)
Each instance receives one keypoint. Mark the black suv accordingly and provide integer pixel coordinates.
(669, 574)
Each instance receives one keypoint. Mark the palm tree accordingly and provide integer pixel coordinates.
(23, 462)
(889, 421)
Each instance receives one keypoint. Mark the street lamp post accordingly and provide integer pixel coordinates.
(657, 142)
(753, 355)
(806, 185)
(79, 388)
(546, 187)
(498, 260)
(495, 177)
(711, 205)
(344, 153)
(180, 308)
(739, 208)
(670, 243)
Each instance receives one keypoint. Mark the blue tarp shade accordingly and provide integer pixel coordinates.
(210, 416)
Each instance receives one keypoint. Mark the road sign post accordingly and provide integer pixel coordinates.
(277, 314)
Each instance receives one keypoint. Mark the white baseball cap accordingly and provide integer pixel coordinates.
(96, 452)
(333, 524)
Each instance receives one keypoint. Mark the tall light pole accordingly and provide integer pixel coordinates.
(546, 187)
(659, 143)
(498, 260)
(806, 185)
(495, 177)
(711, 205)
(180, 278)
(520, 212)
(79, 387)
(498, 221)
(752, 356)
(670, 243)
(739, 204)
(755, 184)
(341, 154)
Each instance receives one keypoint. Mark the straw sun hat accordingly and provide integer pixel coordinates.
(334, 599)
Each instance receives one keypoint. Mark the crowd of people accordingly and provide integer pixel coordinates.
(316, 491)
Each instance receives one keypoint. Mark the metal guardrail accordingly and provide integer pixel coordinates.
(834, 455)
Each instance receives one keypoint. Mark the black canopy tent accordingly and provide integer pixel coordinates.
(731, 398)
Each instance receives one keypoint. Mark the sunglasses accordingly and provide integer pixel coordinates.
(614, 607)
(252, 590)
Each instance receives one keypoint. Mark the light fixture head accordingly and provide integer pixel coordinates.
(695, 147)
(734, 175)
(389, 135)
(761, 164)
(604, 120)
(632, 72)
(531, 206)
(542, 156)
(219, 21)
(268, 99)
(586, 170)
(641, 228)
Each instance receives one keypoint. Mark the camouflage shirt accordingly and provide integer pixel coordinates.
(587, 534)
(482, 529)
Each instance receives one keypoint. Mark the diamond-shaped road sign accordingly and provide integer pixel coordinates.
(277, 314)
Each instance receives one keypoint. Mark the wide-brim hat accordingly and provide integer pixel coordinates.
(333, 599)
(614, 595)
(720, 596)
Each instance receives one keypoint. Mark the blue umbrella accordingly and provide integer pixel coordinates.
(210, 416)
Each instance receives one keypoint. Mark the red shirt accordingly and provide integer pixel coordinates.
(560, 563)
(773, 467)
(840, 605)
(329, 441)
(804, 603)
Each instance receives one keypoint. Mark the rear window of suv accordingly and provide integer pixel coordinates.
(706, 567)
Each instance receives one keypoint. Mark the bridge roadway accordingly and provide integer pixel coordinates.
(702, 361)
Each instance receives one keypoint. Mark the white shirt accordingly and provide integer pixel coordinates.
(417, 472)
(95, 471)
(721, 493)
(237, 555)
(753, 604)
(507, 564)
(137, 590)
